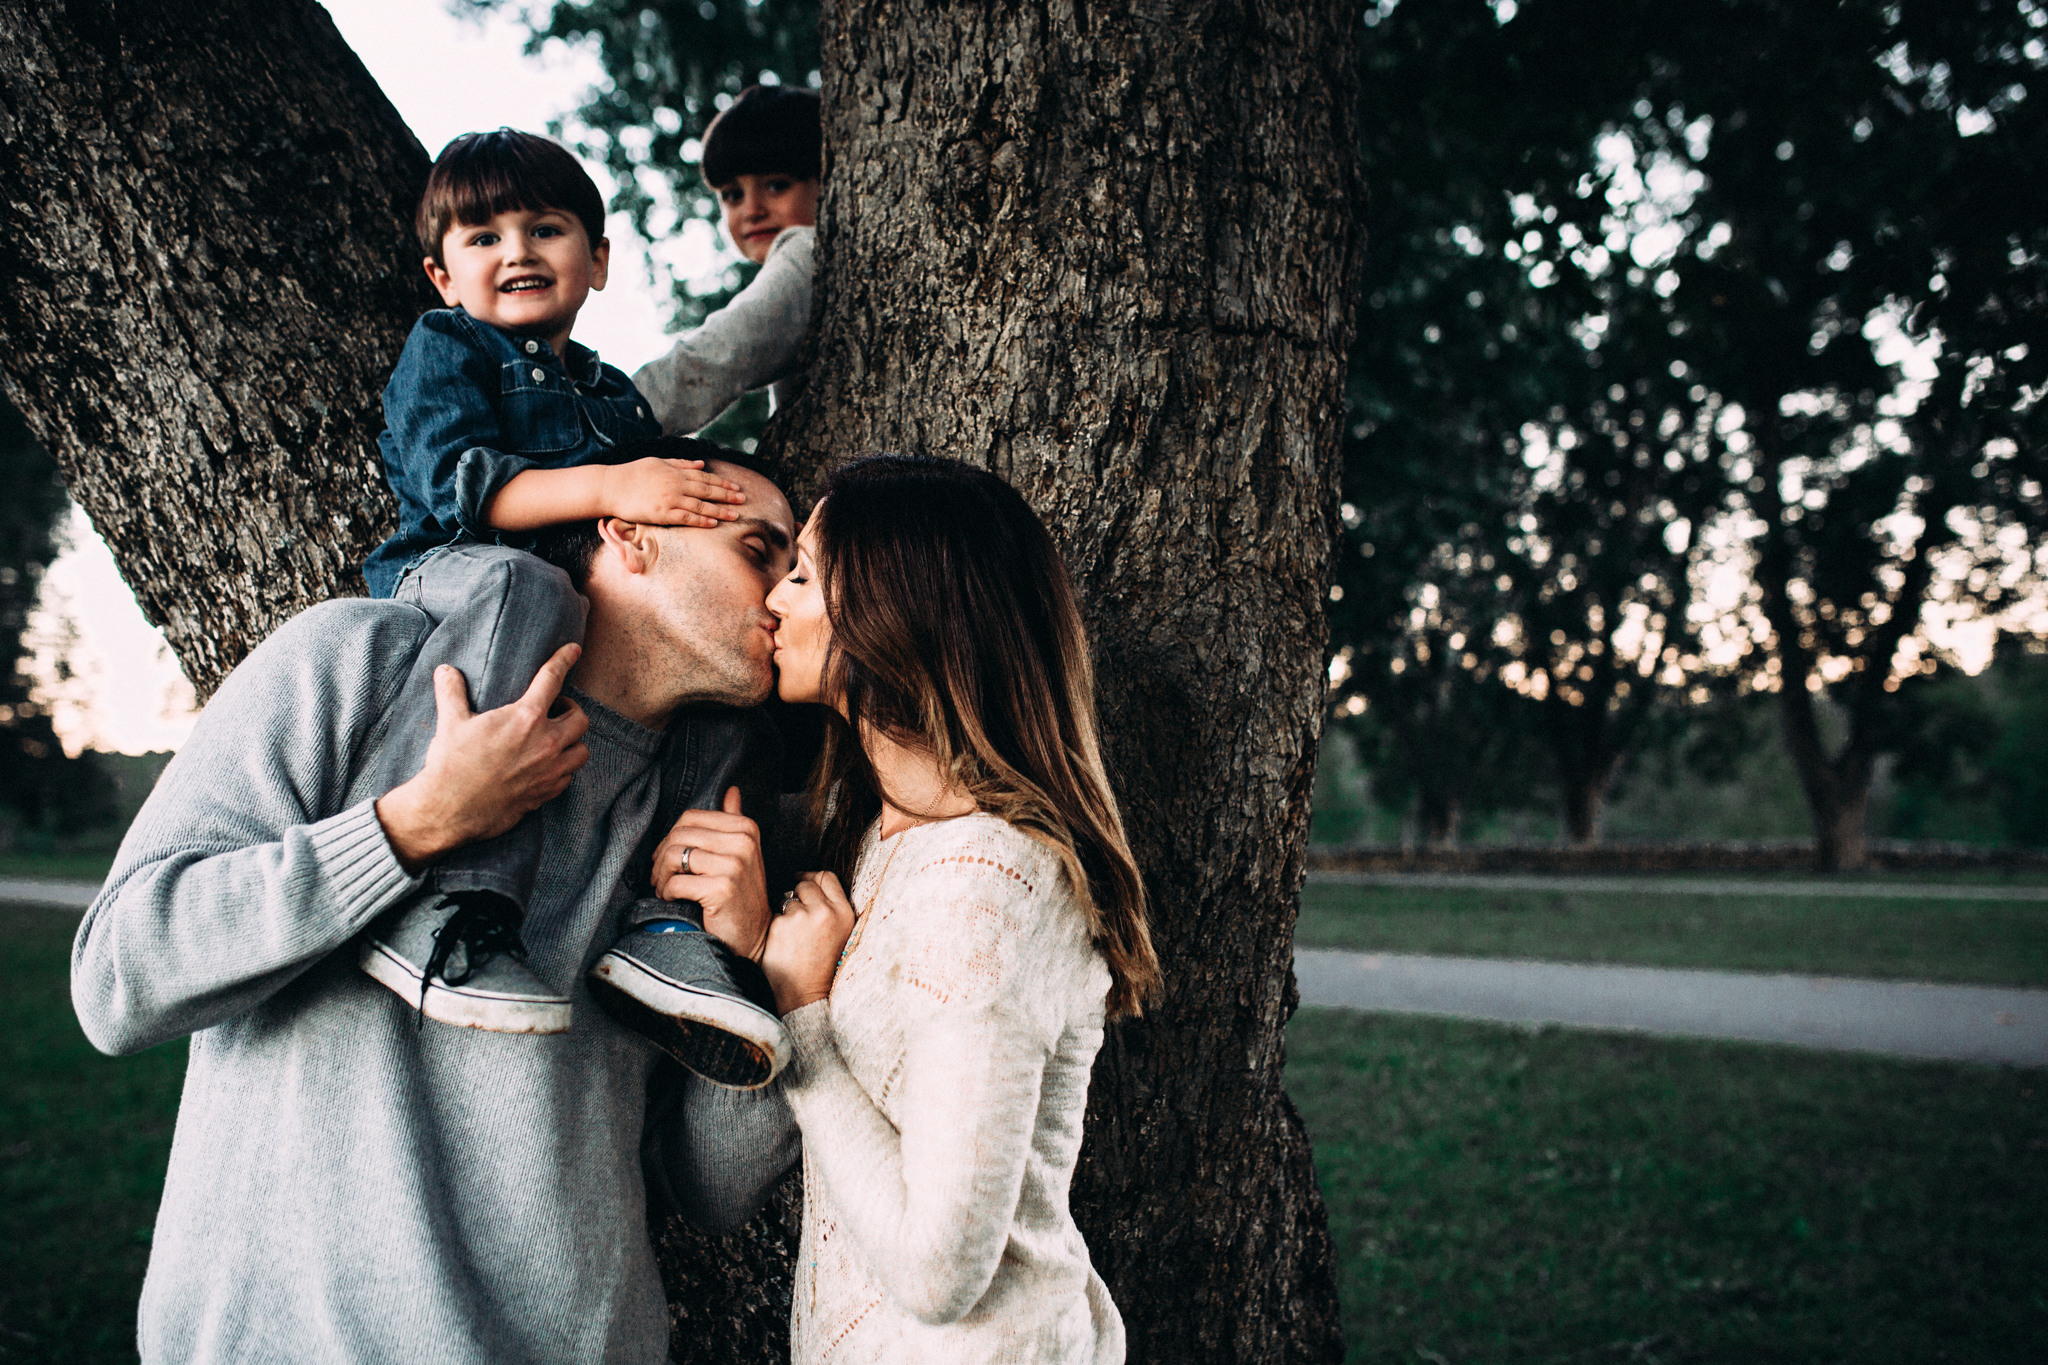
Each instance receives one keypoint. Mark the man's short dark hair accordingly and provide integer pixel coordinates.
(481, 175)
(572, 547)
(768, 130)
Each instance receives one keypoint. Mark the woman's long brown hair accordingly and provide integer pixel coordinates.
(954, 631)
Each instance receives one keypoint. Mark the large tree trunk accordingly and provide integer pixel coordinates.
(204, 227)
(1109, 253)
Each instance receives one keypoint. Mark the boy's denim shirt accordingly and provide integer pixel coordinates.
(467, 408)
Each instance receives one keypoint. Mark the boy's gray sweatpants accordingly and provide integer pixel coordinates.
(498, 614)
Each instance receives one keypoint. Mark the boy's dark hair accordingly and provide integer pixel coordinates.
(481, 175)
(768, 130)
(572, 546)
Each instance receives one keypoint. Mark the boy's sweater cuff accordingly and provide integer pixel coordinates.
(357, 863)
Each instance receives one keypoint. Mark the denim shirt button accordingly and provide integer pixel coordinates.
(539, 375)
(532, 346)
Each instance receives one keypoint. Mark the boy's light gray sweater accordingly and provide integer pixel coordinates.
(751, 342)
(344, 1185)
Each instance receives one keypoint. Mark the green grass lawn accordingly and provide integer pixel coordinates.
(1501, 1195)
(62, 866)
(1988, 942)
(83, 1141)
(1496, 1194)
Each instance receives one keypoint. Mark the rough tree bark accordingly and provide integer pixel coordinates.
(205, 215)
(1108, 253)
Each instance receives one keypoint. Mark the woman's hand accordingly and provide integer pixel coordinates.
(805, 941)
(726, 874)
(484, 771)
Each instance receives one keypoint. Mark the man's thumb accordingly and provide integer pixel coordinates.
(451, 696)
(732, 801)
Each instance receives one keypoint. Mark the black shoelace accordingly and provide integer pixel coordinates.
(484, 924)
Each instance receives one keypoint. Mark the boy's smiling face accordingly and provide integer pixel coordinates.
(759, 206)
(526, 271)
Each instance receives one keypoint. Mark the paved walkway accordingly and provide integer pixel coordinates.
(1636, 884)
(61, 895)
(1905, 1019)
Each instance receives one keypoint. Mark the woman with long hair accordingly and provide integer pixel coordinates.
(945, 980)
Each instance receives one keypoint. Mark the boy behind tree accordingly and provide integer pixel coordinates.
(762, 158)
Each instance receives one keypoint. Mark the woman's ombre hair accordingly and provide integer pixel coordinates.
(955, 631)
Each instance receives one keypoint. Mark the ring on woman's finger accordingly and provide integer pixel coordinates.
(789, 899)
(683, 863)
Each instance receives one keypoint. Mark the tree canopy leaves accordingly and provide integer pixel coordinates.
(1700, 351)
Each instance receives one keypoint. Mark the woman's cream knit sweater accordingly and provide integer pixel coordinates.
(940, 1091)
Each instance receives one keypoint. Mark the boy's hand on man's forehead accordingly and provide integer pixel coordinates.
(660, 492)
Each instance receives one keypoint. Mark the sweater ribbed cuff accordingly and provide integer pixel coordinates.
(357, 863)
(811, 1043)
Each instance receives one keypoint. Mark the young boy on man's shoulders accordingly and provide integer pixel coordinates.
(498, 426)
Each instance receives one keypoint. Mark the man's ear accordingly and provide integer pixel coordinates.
(634, 543)
(600, 262)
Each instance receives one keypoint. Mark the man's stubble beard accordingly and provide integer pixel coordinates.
(711, 658)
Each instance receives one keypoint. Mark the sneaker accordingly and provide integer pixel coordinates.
(458, 956)
(693, 997)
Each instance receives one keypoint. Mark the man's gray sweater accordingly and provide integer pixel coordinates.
(344, 1184)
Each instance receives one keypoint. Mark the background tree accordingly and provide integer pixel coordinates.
(1523, 481)
(1860, 176)
(1598, 559)
(1448, 365)
(1703, 251)
(1109, 255)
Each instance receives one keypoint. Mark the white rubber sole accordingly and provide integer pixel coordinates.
(674, 1000)
(459, 1005)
